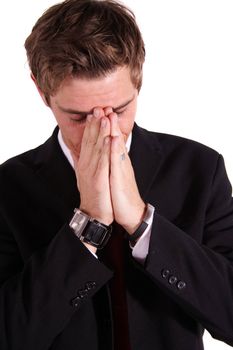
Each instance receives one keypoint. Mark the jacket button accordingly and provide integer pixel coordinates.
(82, 293)
(165, 273)
(90, 285)
(181, 285)
(172, 280)
(75, 301)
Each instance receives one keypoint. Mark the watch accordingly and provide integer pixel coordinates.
(89, 230)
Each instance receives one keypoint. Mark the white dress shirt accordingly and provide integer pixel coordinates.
(140, 249)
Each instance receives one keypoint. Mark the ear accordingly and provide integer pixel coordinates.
(40, 91)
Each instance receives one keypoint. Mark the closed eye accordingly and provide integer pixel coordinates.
(120, 112)
(79, 119)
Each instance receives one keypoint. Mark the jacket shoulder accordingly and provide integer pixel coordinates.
(31, 159)
(172, 143)
(26, 159)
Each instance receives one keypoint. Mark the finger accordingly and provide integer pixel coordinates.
(104, 131)
(115, 129)
(92, 152)
(116, 132)
(119, 156)
(103, 167)
(91, 134)
(99, 146)
(91, 131)
(108, 110)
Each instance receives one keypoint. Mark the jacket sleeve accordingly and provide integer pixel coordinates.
(60, 277)
(199, 277)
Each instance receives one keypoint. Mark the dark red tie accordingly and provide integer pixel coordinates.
(114, 255)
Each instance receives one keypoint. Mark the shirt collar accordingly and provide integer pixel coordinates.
(67, 152)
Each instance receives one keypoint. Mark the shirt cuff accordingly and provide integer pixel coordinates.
(141, 248)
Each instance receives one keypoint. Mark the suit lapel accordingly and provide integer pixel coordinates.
(146, 155)
(56, 171)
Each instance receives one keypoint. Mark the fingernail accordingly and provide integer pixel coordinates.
(108, 110)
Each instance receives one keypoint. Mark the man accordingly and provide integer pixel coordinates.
(145, 261)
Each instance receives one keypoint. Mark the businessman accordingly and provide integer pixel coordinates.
(111, 236)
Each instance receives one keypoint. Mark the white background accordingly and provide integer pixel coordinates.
(188, 77)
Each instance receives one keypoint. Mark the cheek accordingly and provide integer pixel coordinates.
(73, 134)
(70, 128)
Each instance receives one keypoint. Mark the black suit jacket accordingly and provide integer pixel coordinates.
(54, 292)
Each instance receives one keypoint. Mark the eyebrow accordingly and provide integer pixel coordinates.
(84, 113)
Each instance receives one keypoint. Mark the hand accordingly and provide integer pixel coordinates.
(92, 168)
(128, 206)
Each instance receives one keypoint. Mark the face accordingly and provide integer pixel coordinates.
(77, 98)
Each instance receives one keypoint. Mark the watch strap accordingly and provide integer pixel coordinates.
(143, 226)
(96, 234)
(138, 233)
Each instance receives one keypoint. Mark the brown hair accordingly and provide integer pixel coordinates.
(86, 39)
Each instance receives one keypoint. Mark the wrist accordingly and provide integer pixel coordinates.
(103, 219)
(135, 220)
(90, 247)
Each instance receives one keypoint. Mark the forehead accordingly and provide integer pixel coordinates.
(111, 90)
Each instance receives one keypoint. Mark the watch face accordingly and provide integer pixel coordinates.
(79, 222)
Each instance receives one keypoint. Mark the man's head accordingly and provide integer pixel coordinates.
(84, 39)
(85, 54)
